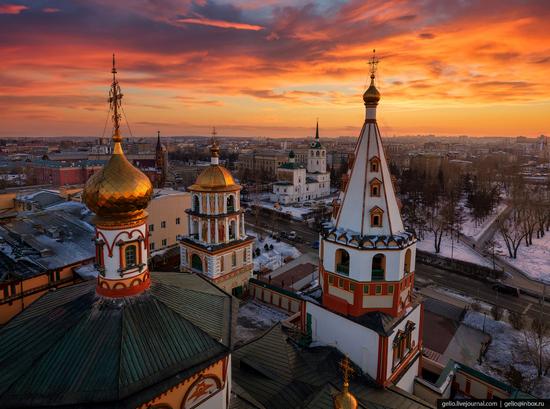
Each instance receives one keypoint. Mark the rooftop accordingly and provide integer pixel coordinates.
(73, 348)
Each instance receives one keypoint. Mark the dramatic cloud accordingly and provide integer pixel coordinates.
(12, 8)
(271, 67)
(220, 23)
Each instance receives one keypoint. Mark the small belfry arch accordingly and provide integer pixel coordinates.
(196, 262)
(378, 267)
(342, 261)
(196, 204)
(408, 259)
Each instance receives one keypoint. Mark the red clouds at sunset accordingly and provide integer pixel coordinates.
(269, 68)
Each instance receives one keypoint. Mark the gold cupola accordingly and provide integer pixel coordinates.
(371, 96)
(215, 178)
(345, 399)
(119, 191)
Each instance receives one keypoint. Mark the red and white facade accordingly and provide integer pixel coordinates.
(367, 264)
(121, 257)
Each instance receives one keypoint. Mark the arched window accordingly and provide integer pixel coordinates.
(232, 230)
(317, 154)
(378, 267)
(196, 204)
(408, 255)
(375, 185)
(342, 261)
(130, 256)
(376, 217)
(196, 262)
(233, 259)
(230, 203)
(374, 162)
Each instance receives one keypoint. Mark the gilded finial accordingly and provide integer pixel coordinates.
(214, 148)
(344, 399)
(373, 62)
(115, 100)
(372, 95)
(347, 370)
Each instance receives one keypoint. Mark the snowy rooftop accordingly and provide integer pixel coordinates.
(350, 237)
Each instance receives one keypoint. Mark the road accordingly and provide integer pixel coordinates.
(433, 276)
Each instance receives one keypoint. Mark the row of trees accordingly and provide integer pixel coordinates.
(530, 217)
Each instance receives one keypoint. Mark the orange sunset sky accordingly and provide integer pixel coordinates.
(270, 68)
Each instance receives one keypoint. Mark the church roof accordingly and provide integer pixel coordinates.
(273, 372)
(357, 201)
(74, 348)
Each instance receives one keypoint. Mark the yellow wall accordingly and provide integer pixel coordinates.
(168, 207)
(9, 309)
(7, 200)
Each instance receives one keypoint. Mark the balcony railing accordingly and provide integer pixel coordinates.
(342, 269)
(377, 274)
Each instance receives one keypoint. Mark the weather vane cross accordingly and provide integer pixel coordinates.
(373, 62)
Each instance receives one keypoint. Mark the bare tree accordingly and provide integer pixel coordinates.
(537, 342)
(512, 233)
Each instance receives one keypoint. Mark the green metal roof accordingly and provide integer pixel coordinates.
(273, 372)
(73, 347)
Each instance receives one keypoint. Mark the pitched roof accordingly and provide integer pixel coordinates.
(357, 201)
(273, 372)
(75, 348)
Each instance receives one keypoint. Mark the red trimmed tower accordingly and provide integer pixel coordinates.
(118, 195)
(367, 262)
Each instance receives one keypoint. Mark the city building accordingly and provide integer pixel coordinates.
(60, 173)
(217, 245)
(167, 219)
(298, 184)
(129, 337)
(367, 264)
(40, 251)
(260, 164)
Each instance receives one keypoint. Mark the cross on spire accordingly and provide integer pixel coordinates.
(115, 100)
(373, 62)
(347, 370)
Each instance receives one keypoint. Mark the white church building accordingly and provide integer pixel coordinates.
(298, 184)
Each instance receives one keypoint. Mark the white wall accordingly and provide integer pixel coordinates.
(361, 261)
(413, 316)
(358, 342)
(407, 380)
(112, 264)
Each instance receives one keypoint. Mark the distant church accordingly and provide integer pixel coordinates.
(298, 184)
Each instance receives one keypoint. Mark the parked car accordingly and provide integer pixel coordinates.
(291, 235)
(315, 245)
(282, 234)
(506, 289)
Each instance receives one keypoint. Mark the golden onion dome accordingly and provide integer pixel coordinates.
(119, 190)
(371, 95)
(215, 178)
(345, 400)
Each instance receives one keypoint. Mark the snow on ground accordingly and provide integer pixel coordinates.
(474, 230)
(297, 213)
(506, 348)
(452, 249)
(272, 259)
(533, 260)
(255, 318)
